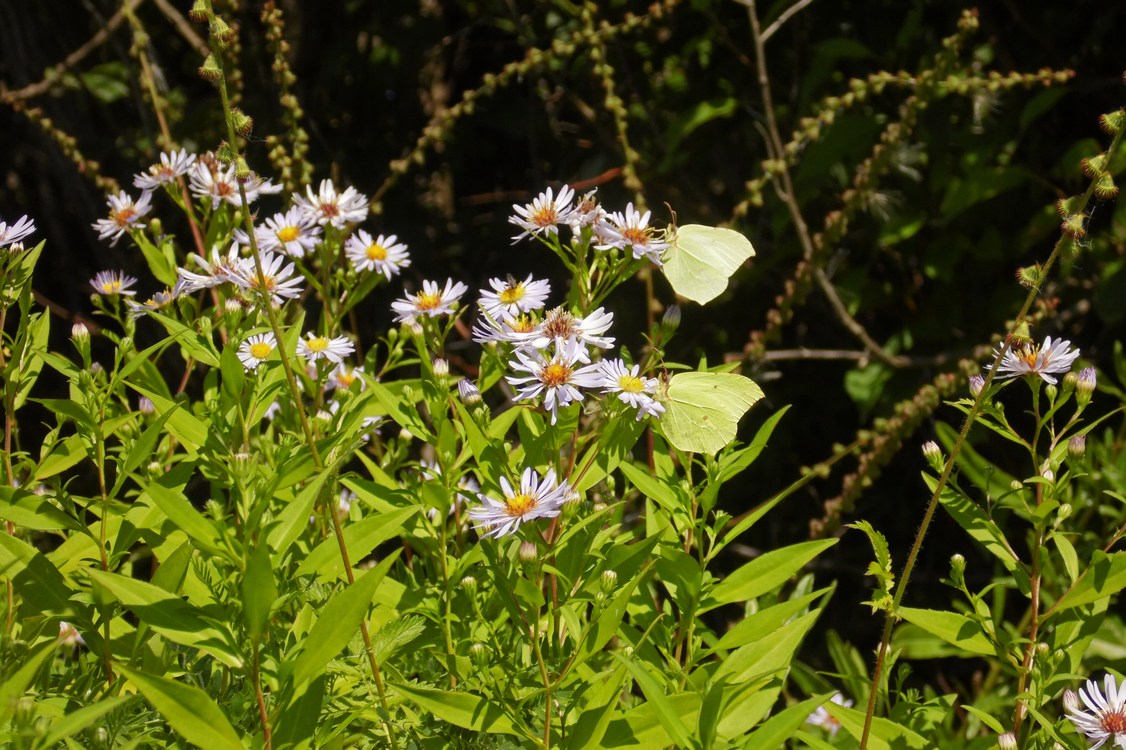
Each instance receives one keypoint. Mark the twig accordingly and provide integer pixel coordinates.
(786, 16)
(183, 26)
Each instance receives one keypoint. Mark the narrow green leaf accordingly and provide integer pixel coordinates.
(885, 734)
(338, 623)
(464, 710)
(186, 428)
(186, 518)
(361, 538)
(30, 361)
(65, 454)
(607, 618)
(765, 573)
(1106, 575)
(294, 518)
(602, 699)
(31, 511)
(979, 526)
(1067, 554)
(667, 714)
(76, 721)
(188, 710)
(258, 591)
(782, 725)
(195, 344)
(654, 489)
(957, 630)
(38, 582)
(15, 685)
(142, 450)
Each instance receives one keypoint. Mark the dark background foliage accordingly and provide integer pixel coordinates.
(926, 267)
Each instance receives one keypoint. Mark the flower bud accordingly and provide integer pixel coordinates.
(146, 406)
(441, 369)
(528, 552)
(479, 654)
(1064, 512)
(933, 454)
(671, 319)
(1051, 391)
(468, 393)
(79, 332)
(1007, 741)
(125, 344)
(210, 70)
(608, 581)
(1088, 379)
(957, 569)
(468, 584)
(1048, 474)
(1070, 701)
(1077, 446)
(977, 384)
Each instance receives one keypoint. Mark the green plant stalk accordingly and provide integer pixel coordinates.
(256, 675)
(291, 381)
(913, 555)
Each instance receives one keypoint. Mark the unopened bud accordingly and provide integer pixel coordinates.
(1064, 512)
(1030, 277)
(977, 385)
(671, 318)
(468, 584)
(210, 70)
(478, 653)
(1007, 741)
(242, 170)
(933, 454)
(1070, 701)
(468, 392)
(146, 406)
(608, 581)
(79, 332)
(1051, 391)
(1048, 474)
(1085, 386)
(125, 344)
(528, 552)
(1077, 446)
(441, 369)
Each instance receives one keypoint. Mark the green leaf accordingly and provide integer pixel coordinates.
(294, 518)
(65, 454)
(39, 582)
(196, 345)
(782, 725)
(142, 450)
(361, 538)
(957, 630)
(765, 573)
(75, 721)
(184, 426)
(27, 360)
(163, 269)
(885, 734)
(258, 591)
(881, 569)
(666, 712)
(172, 502)
(652, 487)
(464, 710)
(1067, 554)
(759, 623)
(1105, 576)
(15, 685)
(31, 511)
(703, 409)
(979, 526)
(700, 260)
(606, 620)
(188, 710)
(338, 623)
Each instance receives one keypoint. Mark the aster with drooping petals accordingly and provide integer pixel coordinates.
(256, 349)
(508, 330)
(535, 498)
(329, 207)
(158, 301)
(510, 298)
(562, 324)
(631, 387)
(386, 255)
(113, 283)
(10, 235)
(556, 379)
(1105, 717)
(314, 347)
(630, 230)
(1053, 357)
(171, 165)
(544, 214)
(217, 270)
(430, 302)
(125, 214)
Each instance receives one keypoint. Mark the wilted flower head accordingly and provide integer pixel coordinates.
(9, 235)
(534, 499)
(1105, 717)
(1046, 360)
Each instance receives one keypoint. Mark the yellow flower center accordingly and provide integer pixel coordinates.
(631, 384)
(522, 324)
(123, 217)
(288, 234)
(425, 301)
(260, 350)
(111, 287)
(265, 283)
(555, 374)
(636, 236)
(518, 505)
(545, 217)
(376, 251)
(512, 294)
(317, 344)
(346, 379)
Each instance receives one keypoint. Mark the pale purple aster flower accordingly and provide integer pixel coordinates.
(275, 281)
(1051, 358)
(113, 283)
(208, 179)
(385, 255)
(631, 230)
(430, 301)
(535, 498)
(343, 376)
(217, 270)
(315, 346)
(562, 324)
(1105, 717)
(630, 386)
(544, 214)
(158, 301)
(171, 165)
(256, 349)
(290, 233)
(329, 207)
(125, 214)
(557, 379)
(510, 298)
(10, 235)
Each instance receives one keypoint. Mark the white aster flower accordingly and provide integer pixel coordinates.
(631, 230)
(1105, 717)
(509, 330)
(510, 298)
(69, 635)
(535, 498)
(385, 254)
(217, 270)
(557, 378)
(329, 207)
(314, 347)
(124, 214)
(561, 324)
(544, 214)
(588, 212)
(632, 388)
(277, 282)
(158, 301)
(290, 233)
(256, 349)
(822, 718)
(342, 377)
(1029, 359)
(10, 235)
(430, 301)
(209, 179)
(171, 166)
(113, 283)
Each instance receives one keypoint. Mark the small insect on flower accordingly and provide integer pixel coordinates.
(171, 165)
(631, 230)
(330, 207)
(10, 235)
(534, 499)
(1051, 358)
(632, 388)
(557, 379)
(1105, 717)
(822, 718)
(510, 298)
(431, 301)
(544, 214)
(290, 233)
(386, 255)
(113, 283)
(314, 347)
(256, 349)
(124, 215)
